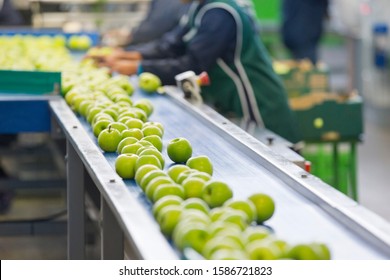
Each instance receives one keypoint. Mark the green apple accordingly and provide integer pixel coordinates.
(132, 132)
(168, 189)
(201, 163)
(99, 126)
(201, 175)
(101, 116)
(125, 165)
(148, 159)
(265, 206)
(215, 193)
(123, 107)
(192, 215)
(145, 105)
(158, 124)
(261, 250)
(92, 113)
(165, 201)
(69, 96)
(246, 206)
(152, 186)
(152, 130)
(149, 82)
(139, 114)
(109, 139)
(168, 218)
(143, 171)
(123, 119)
(283, 246)
(122, 98)
(119, 126)
(184, 175)
(155, 140)
(310, 251)
(111, 112)
(79, 42)
(196, 203)
(237, 217)
(124, 82)
(84, 106)
(126, 141)
(149, 176)
(193, 235)
(143, 148)
(127, 113)
(220, 227)
(131, 149)
(179, 150)
(175, 170)
(193, 187)
(256, 233)
(113, 90)
(59, 41)
(76, 100)
(155, 152)
(216, 213)
(219, 242)
(145, 143)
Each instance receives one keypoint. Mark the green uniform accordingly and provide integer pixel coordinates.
(247, 87)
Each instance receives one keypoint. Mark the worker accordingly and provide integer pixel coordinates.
(302, 27)
(218, 36)
(162, 16)
(8, 14)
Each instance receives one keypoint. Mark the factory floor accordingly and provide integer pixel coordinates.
(44, 242)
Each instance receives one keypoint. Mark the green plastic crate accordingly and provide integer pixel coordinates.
(332, 121)
(298, 82)
(30, 82)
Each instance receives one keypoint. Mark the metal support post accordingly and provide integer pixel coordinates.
(76, 207)
(112, 235)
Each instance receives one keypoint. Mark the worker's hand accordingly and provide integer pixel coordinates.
(118, 55)
(102, 56)
(132, 55)
(112, 58)
(125, 67)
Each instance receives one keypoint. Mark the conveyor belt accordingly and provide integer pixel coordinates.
(307, 209)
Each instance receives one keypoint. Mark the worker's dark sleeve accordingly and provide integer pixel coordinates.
(162, 17)
(213, 40)
(170, 45)
(9, 15)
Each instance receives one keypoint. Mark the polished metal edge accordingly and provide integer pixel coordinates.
(138, 226)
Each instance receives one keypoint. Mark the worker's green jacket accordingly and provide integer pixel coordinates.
(218, 36)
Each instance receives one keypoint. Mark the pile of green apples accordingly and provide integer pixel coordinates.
(194, 211)
(42, 53)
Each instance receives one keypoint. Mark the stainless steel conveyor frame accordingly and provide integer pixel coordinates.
(307, 208)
